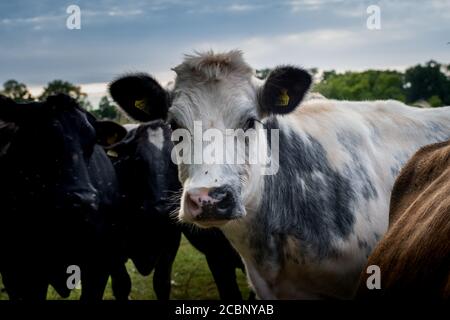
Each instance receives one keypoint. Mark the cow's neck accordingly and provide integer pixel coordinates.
(299, 212)
(306, 199)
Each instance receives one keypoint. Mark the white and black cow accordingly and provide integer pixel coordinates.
(150, 191)
(306, 231)
(59, 196)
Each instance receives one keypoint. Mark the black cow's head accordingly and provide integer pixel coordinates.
(45, 151)
(149, 186)
(145, 171)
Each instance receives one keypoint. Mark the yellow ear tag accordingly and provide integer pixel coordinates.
(283, 100)
(140, 104)
(112, 153)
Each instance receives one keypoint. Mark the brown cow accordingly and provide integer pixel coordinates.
(414, 255)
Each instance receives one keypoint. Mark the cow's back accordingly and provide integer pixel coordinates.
(414, 256)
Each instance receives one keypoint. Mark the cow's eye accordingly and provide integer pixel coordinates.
(250, 124)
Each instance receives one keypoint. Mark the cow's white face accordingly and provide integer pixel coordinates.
(215, 95)
(214, 192)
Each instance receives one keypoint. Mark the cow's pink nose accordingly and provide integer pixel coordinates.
(196, 199)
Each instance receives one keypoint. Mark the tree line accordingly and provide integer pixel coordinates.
(423, 85)
(19, 92)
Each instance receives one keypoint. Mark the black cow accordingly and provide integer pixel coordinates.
(59, 199)
(149, 185)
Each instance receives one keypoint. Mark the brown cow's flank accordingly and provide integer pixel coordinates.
(414, 256)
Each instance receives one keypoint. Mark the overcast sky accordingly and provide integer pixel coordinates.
(123, 36)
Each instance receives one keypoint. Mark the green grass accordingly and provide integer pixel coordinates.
(191, 279)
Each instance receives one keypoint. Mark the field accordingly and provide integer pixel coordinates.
(191, 279)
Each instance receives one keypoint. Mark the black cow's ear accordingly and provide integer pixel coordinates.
(141, 97)
(7, 109)
(7, 132)
(283, 90)
(7, 126)
(109, 133)
(20, 112)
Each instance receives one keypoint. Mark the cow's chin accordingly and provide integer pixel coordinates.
(211, 222)
(205, 224)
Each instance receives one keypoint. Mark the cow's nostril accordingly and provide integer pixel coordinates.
(192, 203)
(223, 197)
(225, 201)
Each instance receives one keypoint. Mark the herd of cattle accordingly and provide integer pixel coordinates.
(359, 184)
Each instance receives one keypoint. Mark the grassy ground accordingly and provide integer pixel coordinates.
(191, 279)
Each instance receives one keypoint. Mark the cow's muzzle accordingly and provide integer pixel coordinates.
(211, 206)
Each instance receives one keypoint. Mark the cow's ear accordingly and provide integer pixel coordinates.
(7, 125)
(141, 97)
(109, 133)
(19, 113)
(283, 90)
(7, 132)
(7, 109)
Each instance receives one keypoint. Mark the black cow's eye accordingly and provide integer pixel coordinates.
(250, 124)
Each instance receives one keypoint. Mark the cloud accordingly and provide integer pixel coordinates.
(223, 7)
(241, 7)
(113, 12)
(32, 20)
(36, 90)
(327, 48)
(125, 13)
(41, 20)
(95, 91)
(309, 5)
(151, 36)
(440, 4)
(95, 87)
